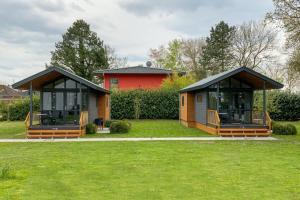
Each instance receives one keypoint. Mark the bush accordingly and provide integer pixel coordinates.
(282, 106)
(91, 128)
(145, 104)
(18, 110)
(120, 127)
(108, 123)
(284, 129)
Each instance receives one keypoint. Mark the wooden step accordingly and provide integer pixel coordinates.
(243, 132)
(54, 136)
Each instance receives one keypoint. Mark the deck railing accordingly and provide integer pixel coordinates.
(258, 118)
(27, 122)
(213, 118)
(268, 121)
(83, 121)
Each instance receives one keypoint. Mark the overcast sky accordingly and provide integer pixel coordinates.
(30, 28)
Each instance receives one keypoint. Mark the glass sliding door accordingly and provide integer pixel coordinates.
(61, 102)
(235, 107)
(58, 111)
(72, 108)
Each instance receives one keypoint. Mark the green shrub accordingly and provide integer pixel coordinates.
(282, 106)
(6, 172)
(284, 129)
(108, 123)
(145, 104)
(18, 109)
(91, 128)
(120, 127)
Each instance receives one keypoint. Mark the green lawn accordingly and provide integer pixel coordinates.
(140, 128)
(157, 128)
(12, 129)
(152, 170)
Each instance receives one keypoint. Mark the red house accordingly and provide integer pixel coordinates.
(137, 77)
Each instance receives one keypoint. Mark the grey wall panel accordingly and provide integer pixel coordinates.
(93, 109)
(201, 107)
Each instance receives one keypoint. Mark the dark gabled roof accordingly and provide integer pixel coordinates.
(135, 70)
(6, 91)
(23, 83)
(272, 84)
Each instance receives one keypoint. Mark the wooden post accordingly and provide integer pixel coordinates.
(30, 105)
(264, 104)
(80, 93)
(218, 97)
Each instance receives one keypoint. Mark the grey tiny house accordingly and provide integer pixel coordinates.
(68, 103)
(223, 104)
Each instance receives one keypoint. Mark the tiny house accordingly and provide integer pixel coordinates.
(67, 103)
(223, 104)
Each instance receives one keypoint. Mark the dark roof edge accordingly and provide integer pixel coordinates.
(64, 72)
(115, 70)
(238, 70)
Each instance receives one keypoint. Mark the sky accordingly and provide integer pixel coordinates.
(30, 28)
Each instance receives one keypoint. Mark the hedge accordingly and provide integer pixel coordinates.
(144, 104)
(18, 109)
(282, 106)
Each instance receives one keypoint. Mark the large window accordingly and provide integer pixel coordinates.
(212, 100)
(47, 101)
(61, 101)
(114, 83)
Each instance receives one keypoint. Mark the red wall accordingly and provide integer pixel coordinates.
(135, 81)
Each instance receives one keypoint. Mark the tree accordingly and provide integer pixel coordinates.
(80, 50)
(181, 55)
(216, 55)
(169, 57)
(293, 72)
(192, 50)
(115, 61)
(252, 44)
(287, 12)
(176, 82)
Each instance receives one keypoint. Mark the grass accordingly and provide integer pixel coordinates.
(156, 128)
(15, 129)
(152, 170)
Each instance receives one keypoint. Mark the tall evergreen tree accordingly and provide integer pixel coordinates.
(81, 50)
(216, 55)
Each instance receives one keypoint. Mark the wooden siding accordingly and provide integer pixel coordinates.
(104, 107)
(187, 110)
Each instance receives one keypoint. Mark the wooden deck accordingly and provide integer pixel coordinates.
(59, 131)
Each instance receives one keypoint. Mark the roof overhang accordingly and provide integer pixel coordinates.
(256, 80)
(51, 74)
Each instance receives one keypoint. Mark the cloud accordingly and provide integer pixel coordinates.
(30, 28)
(145, 7)
(195, 17)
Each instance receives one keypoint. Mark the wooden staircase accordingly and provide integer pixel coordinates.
(214, 122)
(45, 133)
(244, 132)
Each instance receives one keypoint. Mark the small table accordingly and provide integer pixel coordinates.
(40, 116)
